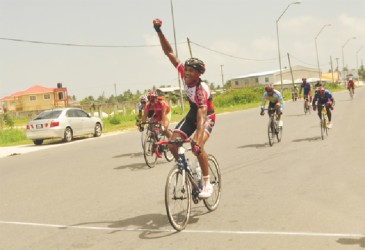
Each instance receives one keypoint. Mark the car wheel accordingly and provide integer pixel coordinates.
(67, 135)
(97, 131)
(38, 142)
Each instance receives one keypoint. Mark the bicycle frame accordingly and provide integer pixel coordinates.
(182, 162)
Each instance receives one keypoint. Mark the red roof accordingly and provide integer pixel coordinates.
(36, 89)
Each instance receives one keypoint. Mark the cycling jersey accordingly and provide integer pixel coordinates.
(158, 106)
(275, 98)
(322, 99)
(307, 87)
(351, 84)
(199, 96)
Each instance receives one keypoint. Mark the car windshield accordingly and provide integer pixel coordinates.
(50, 114)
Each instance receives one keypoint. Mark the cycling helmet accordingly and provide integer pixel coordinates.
(143, 99)
(269, 88)
(152, 95)
(196, 64)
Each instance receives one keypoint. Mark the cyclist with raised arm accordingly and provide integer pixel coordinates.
(307, 91)
(160, 112)
(323, 96)
(276, 102)
(201, 116)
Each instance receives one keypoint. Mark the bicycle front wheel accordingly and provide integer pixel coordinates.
(279, 132)
(167, 153)
(177, 199)
(271, 132)
(149, 150)
(212, 202)
(324, 131)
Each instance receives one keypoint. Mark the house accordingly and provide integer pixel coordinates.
(273, 77)
(36, 98)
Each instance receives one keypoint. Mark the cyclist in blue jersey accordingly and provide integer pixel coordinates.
(276, 101)
(323, 96)
(201, 116)
(307, 91)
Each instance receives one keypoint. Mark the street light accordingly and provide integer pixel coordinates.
(277, 34)
(315, 41)
(357, 59)
(343, 57)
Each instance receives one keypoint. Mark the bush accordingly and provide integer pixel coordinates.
(8, 121)
(10, 136)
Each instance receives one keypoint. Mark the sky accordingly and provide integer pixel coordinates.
(40, 40)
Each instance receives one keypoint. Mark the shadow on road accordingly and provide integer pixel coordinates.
(348, 241)
(254, 146)
(310, 139)
(131, 155)
(297, 115)
(151, 226)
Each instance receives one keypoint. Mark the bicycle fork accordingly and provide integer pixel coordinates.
(187, 174)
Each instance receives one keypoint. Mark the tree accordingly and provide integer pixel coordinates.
(361, 73)
(228, 84)
(212, 87)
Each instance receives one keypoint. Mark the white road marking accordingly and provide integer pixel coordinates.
(348, 235)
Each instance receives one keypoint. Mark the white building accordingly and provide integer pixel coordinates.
(294, 75)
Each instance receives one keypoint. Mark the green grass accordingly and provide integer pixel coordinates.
(13, 137)
(231, 101)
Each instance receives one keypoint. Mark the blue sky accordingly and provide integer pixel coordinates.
(238, 34)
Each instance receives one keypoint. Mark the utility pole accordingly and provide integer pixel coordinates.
(338, 73)
(333, 78)
(178, 75)
(222, 75)
(115, 90)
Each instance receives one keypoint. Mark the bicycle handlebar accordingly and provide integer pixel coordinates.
(175, 142)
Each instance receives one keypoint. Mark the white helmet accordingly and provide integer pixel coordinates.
(143, 98)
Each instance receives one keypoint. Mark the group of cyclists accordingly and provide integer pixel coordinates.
(201, 116)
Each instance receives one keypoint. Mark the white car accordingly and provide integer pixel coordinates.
(64, 123)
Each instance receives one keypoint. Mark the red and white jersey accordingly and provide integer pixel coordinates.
(199, 95)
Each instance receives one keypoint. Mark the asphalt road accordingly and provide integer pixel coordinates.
(97, 193)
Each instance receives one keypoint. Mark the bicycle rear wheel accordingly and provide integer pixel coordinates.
(148, 150)
(271, 132)
(212, 202)
(177, 199)
(279, 132)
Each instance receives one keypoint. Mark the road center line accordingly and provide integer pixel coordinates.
(187, 231)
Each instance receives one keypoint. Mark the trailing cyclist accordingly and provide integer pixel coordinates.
(323, 96)
(201, 116)
(159, 110)
(351, 85)
(307, 91)
(276, 102)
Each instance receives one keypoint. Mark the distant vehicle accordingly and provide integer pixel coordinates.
(65, 123)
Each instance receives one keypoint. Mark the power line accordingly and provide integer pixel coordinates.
(225, 54)
(78, 45)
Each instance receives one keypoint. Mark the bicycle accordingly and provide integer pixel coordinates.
(351, 92)
(274, 130)
(151, 150)
(324, 122)
(307, 106)
(182, 187)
